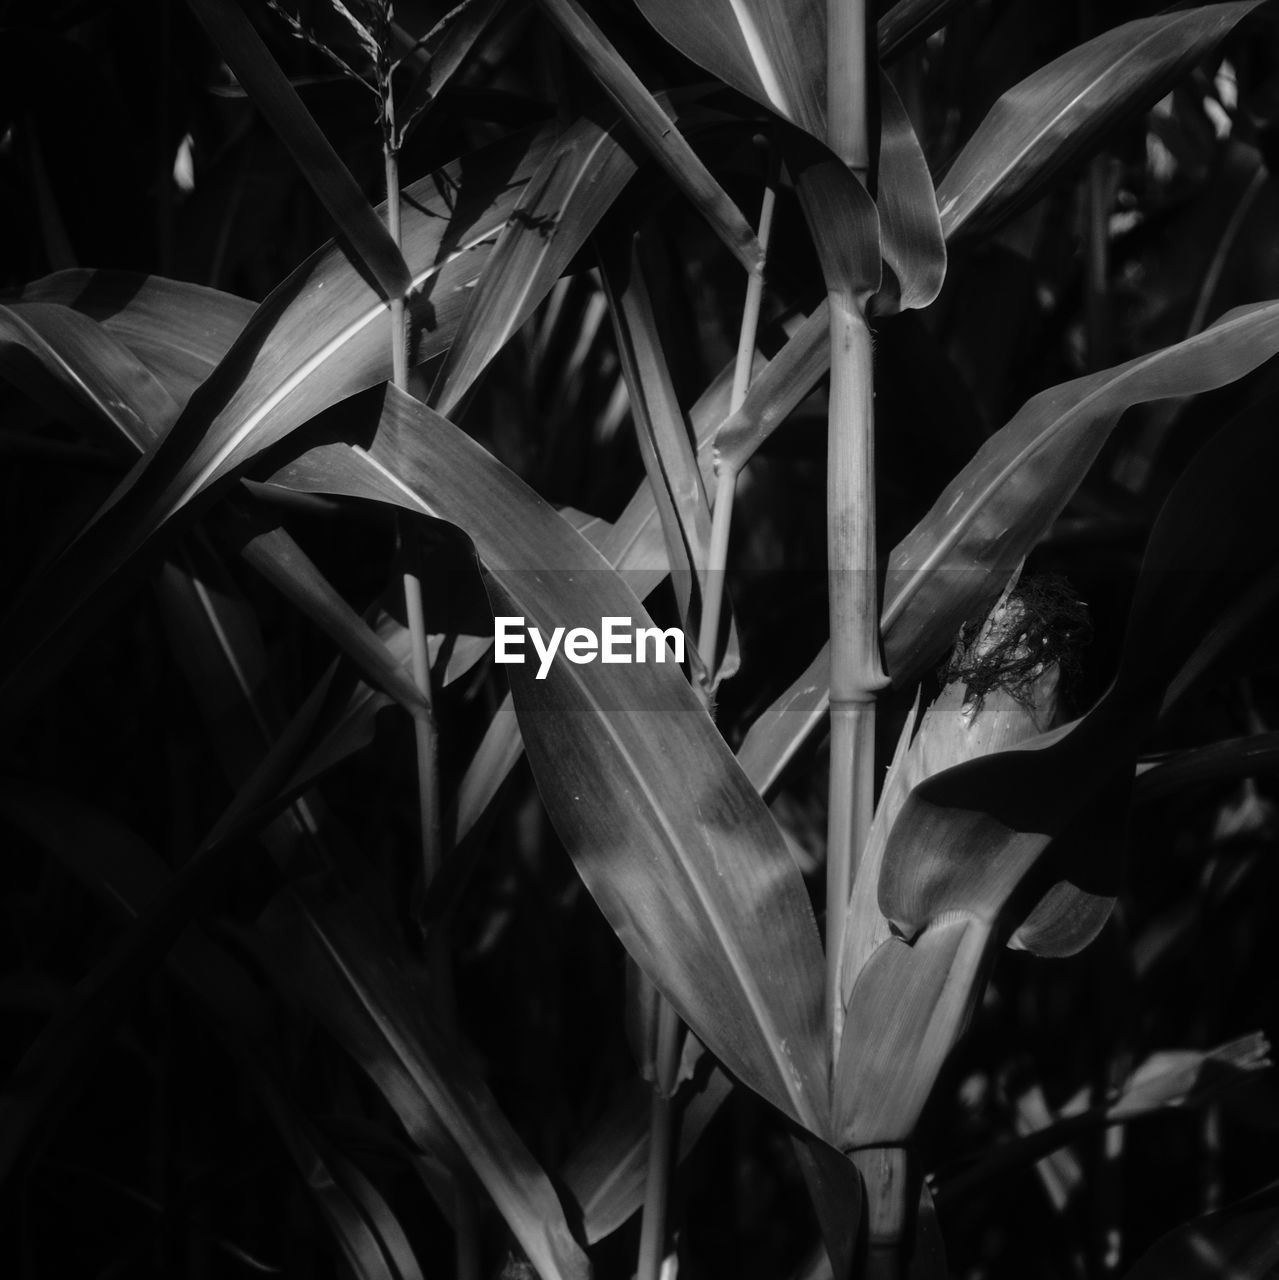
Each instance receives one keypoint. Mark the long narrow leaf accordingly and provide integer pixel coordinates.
(957, 559)
(322, 167)
(314, 340)
(665, 447)
(180, 331)
(339, 962)
(669, 835)
(576, 183)
(1058, 115)
(656, 129)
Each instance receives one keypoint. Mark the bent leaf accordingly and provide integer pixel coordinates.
(1060, 114)
(913, 246)
(322, 167)
(606, 1171)
(320, 336)
(966, 836)
(180, 331)
(336, 957)
(670, 837)
(958, 558)
(656, 129)
(577, 181)
(1239, 1242)
(46, 347)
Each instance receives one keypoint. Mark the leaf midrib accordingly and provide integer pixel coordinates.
(1040, 441)
(1036, 139)
(740, 969)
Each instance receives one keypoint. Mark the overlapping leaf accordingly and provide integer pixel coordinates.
(322, 167)
(669, 835)
(119, 868)
(966, 837)
(320, 336)
(59, 354)
(180, 331)
(338, 959)
(656, 129)
(606, 1172)
(994, 815)
(670, 461)
(48, 349)
(958, 558)
(576, 182)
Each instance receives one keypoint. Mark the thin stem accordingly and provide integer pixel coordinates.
(1098, 282)
(662, 1120)
(424, 726)
(712, 604)
(399, 330)
(661, 1145)
(726, 477)
(426, 737)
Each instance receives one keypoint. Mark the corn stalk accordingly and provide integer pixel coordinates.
(425, 727)
(856, 673)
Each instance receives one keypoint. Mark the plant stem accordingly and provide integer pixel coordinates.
(426, 737)
(726, 477)
(424, 725)
(661, 1144)
(886, 1173)
(855, 673)
(661, 1139)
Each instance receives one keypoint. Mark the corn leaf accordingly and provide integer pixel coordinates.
(910, 21)
(1062, 113)
(669, 459)
(606, 1171)
(1252, 756)
(321, 335)
(955, 562)
(118, 867)
(774, 393)
(656, 129)
(79, 361)
(1176, 1079)
(909, 226)
(1209, 544)
(1239, 1242)
(728, 937)
(337, 958)
(774, 51)
(909, 1004)
(965, 838)
(777, 734)
(269, 89)
(837, 1194)
(441, 52)
(574, 186)
(60, 357)
(180, 331)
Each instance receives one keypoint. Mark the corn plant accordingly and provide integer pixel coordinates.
(578, 315)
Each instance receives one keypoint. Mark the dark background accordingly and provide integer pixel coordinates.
(159, 1161)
